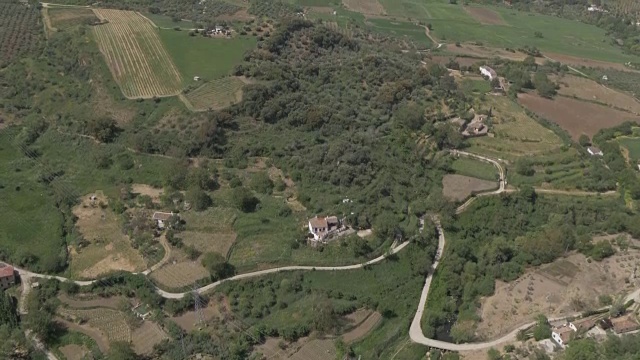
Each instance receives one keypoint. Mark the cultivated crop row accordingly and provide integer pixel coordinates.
(20, 30)
(110, 322)
(136, 56)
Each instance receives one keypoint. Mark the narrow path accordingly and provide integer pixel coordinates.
(165, 258)
(428, 33)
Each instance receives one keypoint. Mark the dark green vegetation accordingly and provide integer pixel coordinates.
(622, 348)
(20, 30)
(279, 305)
(500, 236)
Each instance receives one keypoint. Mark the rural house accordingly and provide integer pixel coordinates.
(488, 72)
(161, 218)
(320, 227)
(624, 324)
(582, 324)
(594, 151)
(7, 276)
(562, 335)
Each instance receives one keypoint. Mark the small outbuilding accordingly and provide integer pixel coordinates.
(161, 218)
(488, 72)
(594, 151)
(7, 276)
(624, 324)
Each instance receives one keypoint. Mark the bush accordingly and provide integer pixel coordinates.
(262, 184)
(244, 199)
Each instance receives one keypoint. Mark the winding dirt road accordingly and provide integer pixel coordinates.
(415, 331)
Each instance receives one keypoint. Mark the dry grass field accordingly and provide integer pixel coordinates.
(577, 61)
(590, 90)
(211, 230)
(135, 55)
(146, 336)
(363, 328)
(463, 61)
(366, 7)
(95, 334)
(459, 187)
(108, 249)
(74, 352)
(111, 323)
(179, 274)
(485, 16)
(216, 94)
(317, 349)
(64, 17)
(189, 319)
(110, 302)
(566, 286)
(575, 116)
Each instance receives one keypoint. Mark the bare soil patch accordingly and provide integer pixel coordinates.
(564, 287)
(366, 7)
(189, 319)
(111, 302)
(575, 116)
(179, 272)
(576, 61)
(317, 349)
(74, 352)
(363, 329)
(146, 336)
(358, 316)
(144, 189)
(590, 90)
(485, 16)
(460, 187)
(487, 52)
(105, 248)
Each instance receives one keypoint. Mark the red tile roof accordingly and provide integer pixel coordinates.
(6, 270)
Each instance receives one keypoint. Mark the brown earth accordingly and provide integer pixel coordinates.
(575, 116)
(566, 286)
(366, 7)
(592, 91)
(363, 329)
(459, 187)
(179, 274)
(317, 349)
(487, 52)
(74, 352)
(485, 16)
(189, 319)
(145, 337)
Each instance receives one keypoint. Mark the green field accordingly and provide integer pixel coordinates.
(216, 94)
(633, 145)
(205, 57)
(452, 23)
(474, 168)
(164, 21)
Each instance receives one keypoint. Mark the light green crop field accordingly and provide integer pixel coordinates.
(631, 144)
(208, 58)
(216, 94)
(474, 168)
(401, 30)
(452, 23)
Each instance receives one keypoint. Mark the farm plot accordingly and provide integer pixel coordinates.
(135, 55)
(318, 349)
(146, 337)
(74, 352)
(104, 247)
(566, 286)
(485, 16)
(575, 116)
(632, 144)
(65, 17)
(516, 134)
(366, 7)
(459, 187)
(21, 30)
(111, 323)
(362, 329)
(592, 91)
(216, 94)
(180, 273)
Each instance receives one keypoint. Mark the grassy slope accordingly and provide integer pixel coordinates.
(205, 57)
(453, 23)
(30, 223)
(633, 145)
(474, 168)
(164, 21)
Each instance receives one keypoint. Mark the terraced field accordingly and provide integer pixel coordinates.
(216, 94)
(110, 323)
(135, 55)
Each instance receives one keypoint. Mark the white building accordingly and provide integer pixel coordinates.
(488, 72)
(320, 227)
(594, 151)
(161, 217)
(562, 335)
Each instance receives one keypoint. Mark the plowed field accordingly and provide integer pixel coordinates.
(135, 55)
